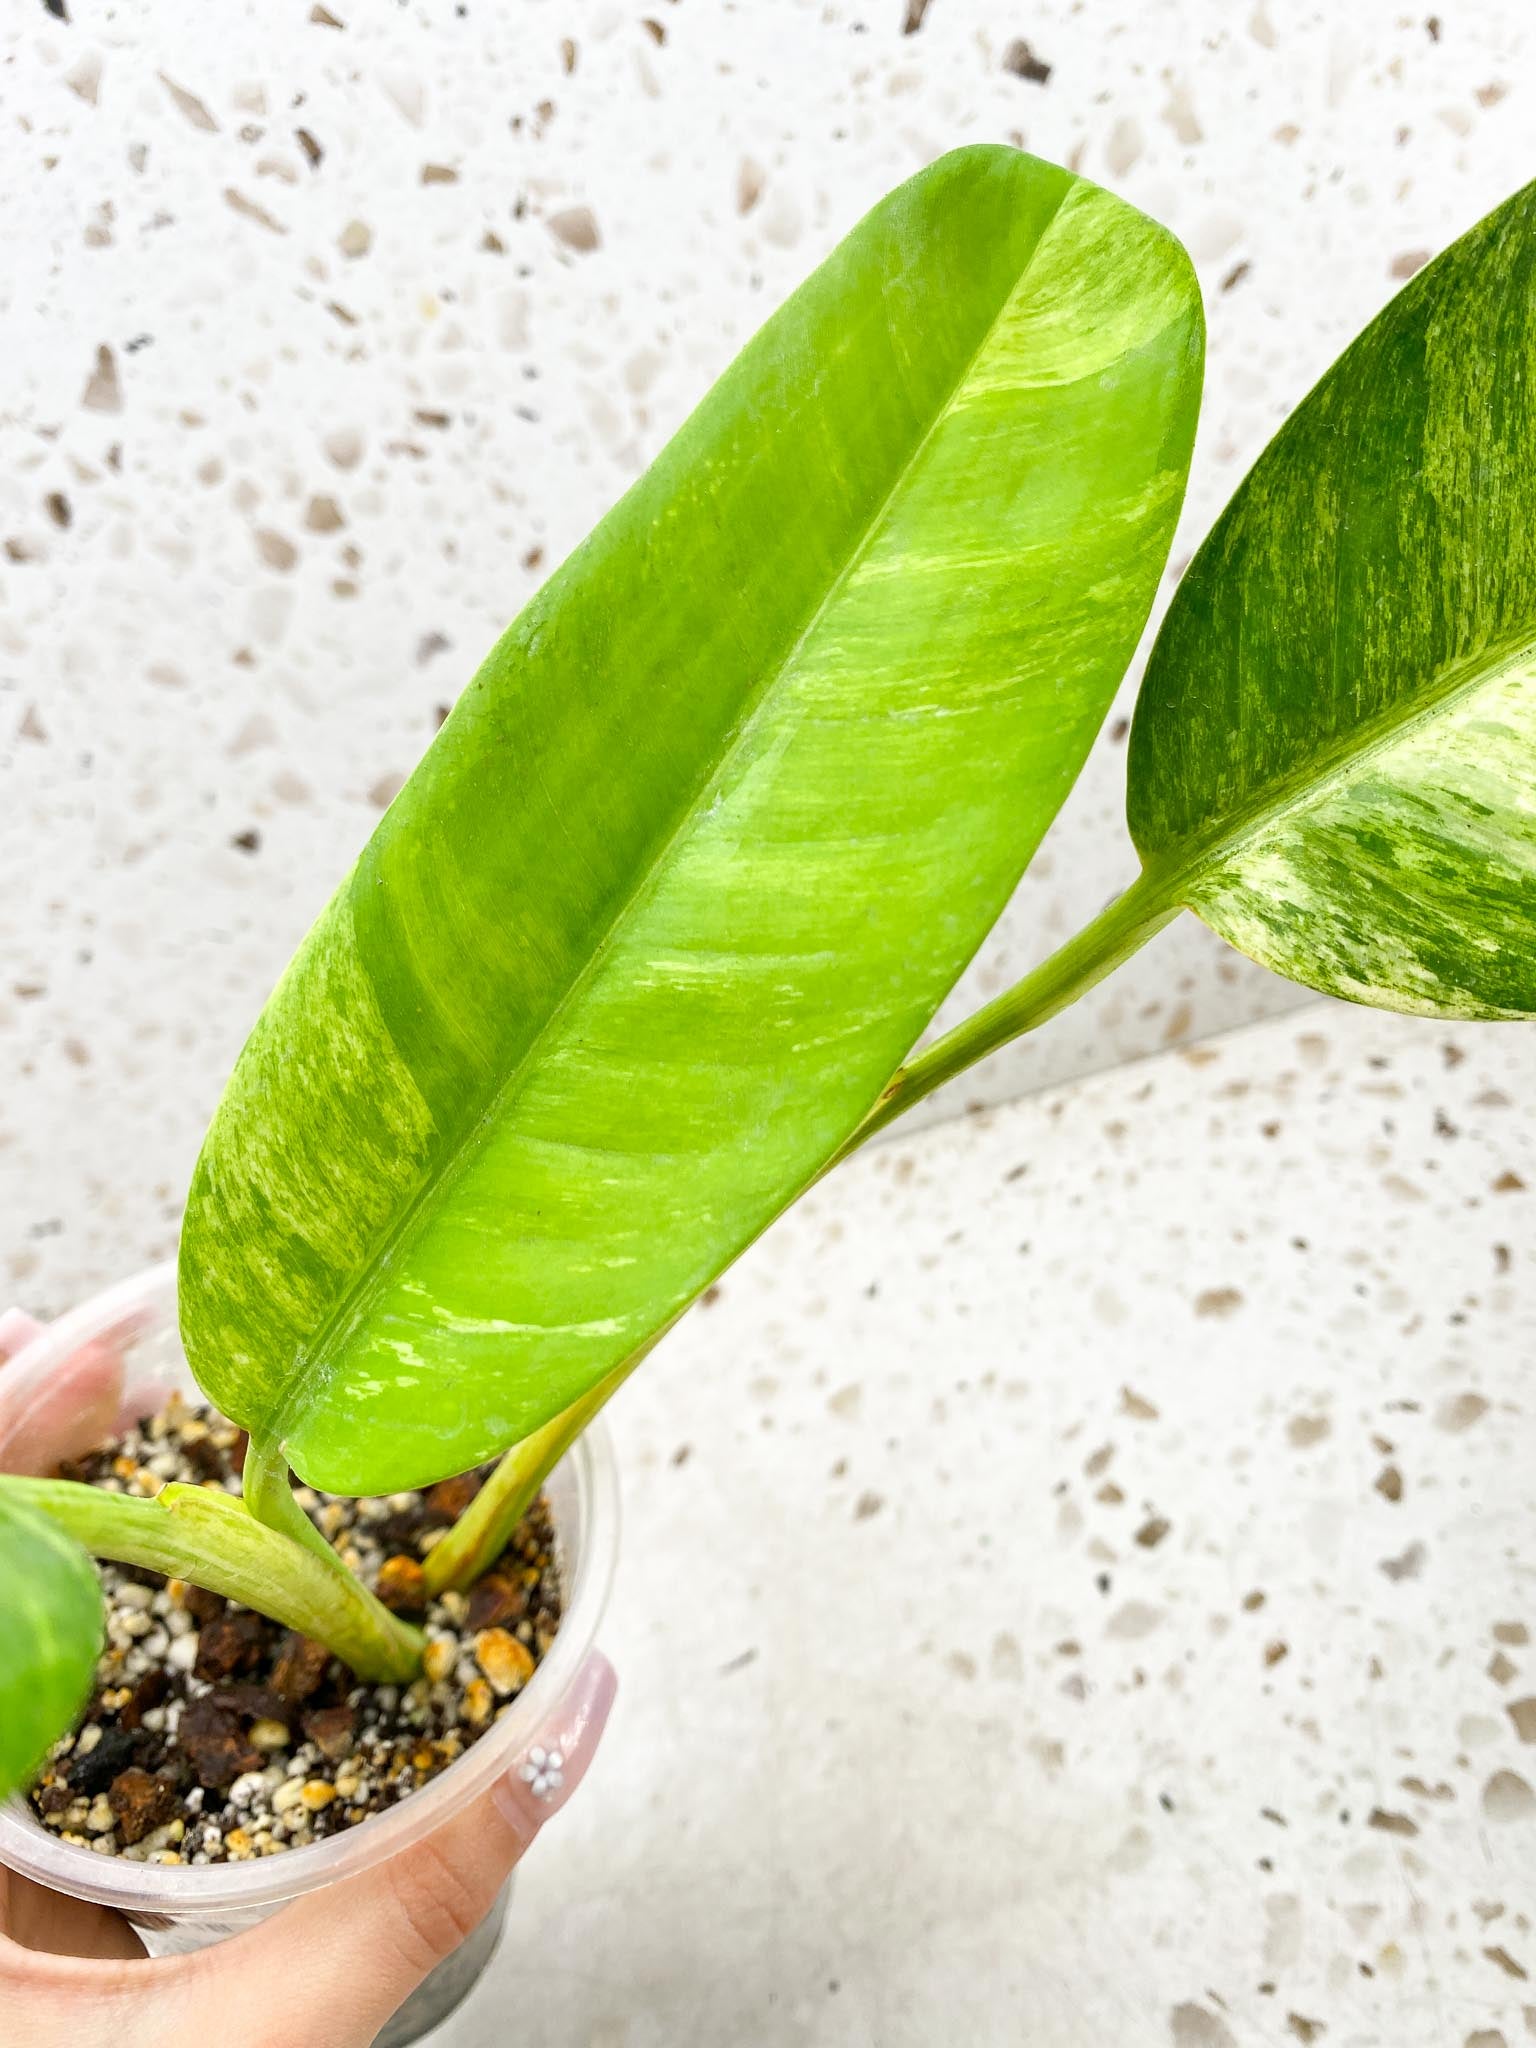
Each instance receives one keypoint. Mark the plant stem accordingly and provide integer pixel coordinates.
(487, 1525)
(1100, 946)
(205, 1535)
(267, 1488)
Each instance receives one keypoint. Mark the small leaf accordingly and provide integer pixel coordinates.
(50, 1638)
(707, 840)
(1333, 760)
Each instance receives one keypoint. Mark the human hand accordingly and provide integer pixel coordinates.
(74, 1975)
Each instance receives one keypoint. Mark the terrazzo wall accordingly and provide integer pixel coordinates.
(328, 330)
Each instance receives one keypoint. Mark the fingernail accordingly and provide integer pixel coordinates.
(555, 1762)
(17, 1329)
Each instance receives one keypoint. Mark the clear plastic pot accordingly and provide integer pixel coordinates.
(182, 1907)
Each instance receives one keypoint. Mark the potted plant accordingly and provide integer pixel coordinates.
(642, 947)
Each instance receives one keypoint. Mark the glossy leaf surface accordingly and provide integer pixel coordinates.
(707, 839)
(50, 1638)
(1333, 760)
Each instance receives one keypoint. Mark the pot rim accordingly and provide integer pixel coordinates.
(178, 1890)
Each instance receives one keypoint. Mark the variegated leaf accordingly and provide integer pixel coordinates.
(1333, 760)
(708, 838)
(50, 1638)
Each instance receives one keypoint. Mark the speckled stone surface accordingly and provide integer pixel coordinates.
(329, 329)
(1078, 1587)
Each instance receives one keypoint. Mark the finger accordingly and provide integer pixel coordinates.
(341, 1960)
(71, 1410)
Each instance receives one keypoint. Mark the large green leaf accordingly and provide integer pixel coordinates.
(50, 1638)
(1334, 755)
(707, 839)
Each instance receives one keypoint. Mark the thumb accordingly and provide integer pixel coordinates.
(329, 1970)
(45, 1419)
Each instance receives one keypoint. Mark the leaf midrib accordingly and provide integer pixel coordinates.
(474, 1132)
(1174, 872)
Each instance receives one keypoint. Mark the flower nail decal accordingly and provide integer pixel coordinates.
(544, 1771)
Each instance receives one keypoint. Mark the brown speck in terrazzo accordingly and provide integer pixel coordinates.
(1196, 2026)
(576, 227)
(916, 9)
(275, 549)
(1021, 60)
(1460, 1412)
(1178, 110)
(323, 515)
(1507, 1797)
(750, 179)
(190, 105)
(1407, 1564)
(1503, 1960)
(382, 793)
(1218, 1302)
(1389, 1823)
(102, 391)
(248, 210)
(1133, 1621)
(867, 1505)
(1007, 1657)
(216, 1735)
(1303, 1431)
(1421, 1789)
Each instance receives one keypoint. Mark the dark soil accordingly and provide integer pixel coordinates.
(215, 1735)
